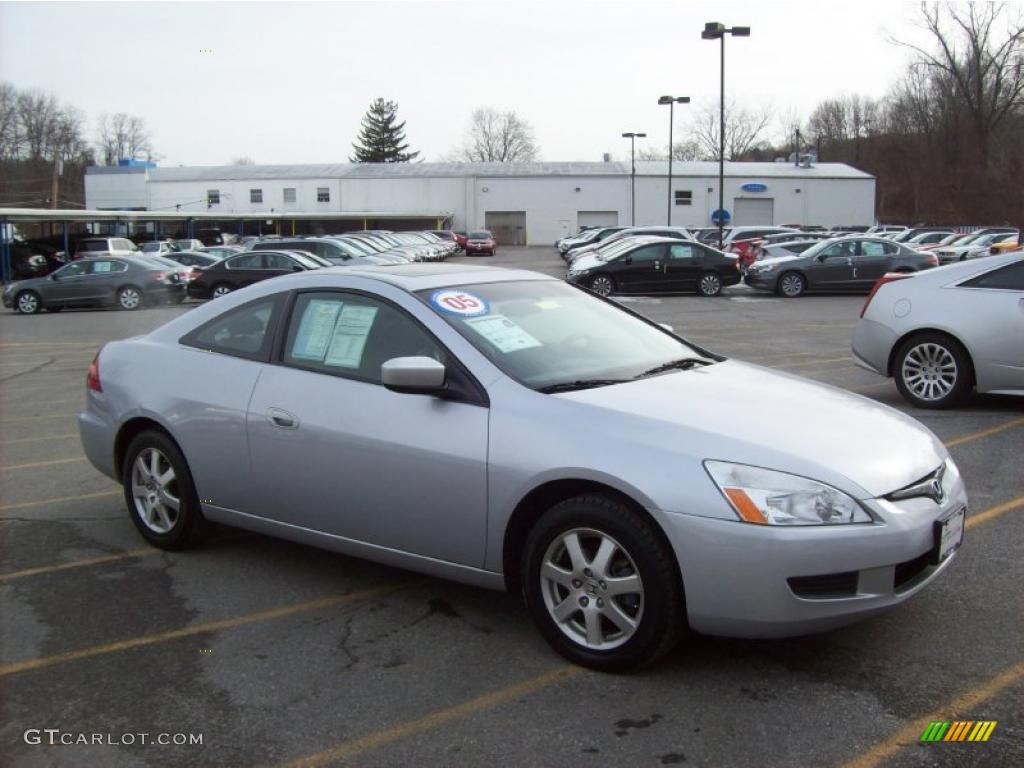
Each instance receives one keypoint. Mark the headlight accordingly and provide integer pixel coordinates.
(766, 497)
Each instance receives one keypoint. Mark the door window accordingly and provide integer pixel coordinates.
(277, 261)
(352, 335)
(102, 267)
(74, 269)
(871, 248)
(241, 332)
(1008, 278)
(683, 252)
(247, 261)
(646, 254)
(839, 250)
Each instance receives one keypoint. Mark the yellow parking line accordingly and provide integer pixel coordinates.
(376, 739)
(129, 555)
(31, 464)
(994, 512)
(39, 439)
(59, 499)
(197, 629)
(985, 432)
(39, 418)
(911, 733)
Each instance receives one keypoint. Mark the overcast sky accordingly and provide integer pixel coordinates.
(289, 82)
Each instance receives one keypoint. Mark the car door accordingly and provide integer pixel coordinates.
(104, 278)
(67, 284)
(640, 270)
(832, 269)
(683, 267)
(991, 312)
(277, 264)
(870, 262)
(245, 269)
(335, 451)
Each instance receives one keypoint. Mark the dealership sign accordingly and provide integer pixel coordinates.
(754, 187)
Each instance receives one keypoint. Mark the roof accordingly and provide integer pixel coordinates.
(76, 214)
(485, 170)
(418, 277)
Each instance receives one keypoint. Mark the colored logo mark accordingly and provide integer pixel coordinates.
(959, 730)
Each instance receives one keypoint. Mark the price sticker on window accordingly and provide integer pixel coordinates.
(460, 303)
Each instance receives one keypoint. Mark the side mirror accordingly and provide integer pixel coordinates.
(821, 257)
(297, 268)
(54, 276)
(628, 260)
(413, 375)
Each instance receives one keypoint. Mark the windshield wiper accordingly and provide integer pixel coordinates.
(682, 364)
(570, 386)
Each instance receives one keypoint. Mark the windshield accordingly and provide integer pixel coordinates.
(479, 235)
(545, 333)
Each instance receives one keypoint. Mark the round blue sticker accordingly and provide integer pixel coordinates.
(456, 302)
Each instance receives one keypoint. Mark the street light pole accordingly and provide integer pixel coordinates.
(671, 101)
(632, 176)
(714, 30)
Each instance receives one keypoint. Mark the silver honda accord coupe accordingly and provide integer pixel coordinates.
(505, 429)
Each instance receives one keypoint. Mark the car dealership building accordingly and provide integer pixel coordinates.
(522, 203)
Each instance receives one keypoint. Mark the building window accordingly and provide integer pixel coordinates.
(289, 194)
(323, 195)
(684, 197)
(213, 197)
(255, 195)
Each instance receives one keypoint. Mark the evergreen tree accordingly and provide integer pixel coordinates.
(382, 138)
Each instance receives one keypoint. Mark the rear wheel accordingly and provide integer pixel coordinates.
(792, 284)
(28, 302)
(603, 285)
(129, 298)
(932, 370)
(221, 289)
(709, 284)
(160, 494)
(601, 586)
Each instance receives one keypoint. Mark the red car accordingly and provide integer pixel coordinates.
(480, 242)
(460, 239)
(745, 250)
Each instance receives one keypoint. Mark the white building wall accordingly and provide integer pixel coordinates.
(235, 195)
(420, 194)
(116, 191)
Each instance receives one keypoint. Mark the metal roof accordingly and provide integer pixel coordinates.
(486, 170)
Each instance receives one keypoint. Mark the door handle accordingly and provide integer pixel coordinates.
(657, 265)
(281, 418)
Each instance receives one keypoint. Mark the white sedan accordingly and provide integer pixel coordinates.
(941, 332)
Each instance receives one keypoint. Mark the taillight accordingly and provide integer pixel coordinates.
(933, 259)
(890, 278)
(92, 378)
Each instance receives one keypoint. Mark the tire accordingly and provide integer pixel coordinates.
(648, 622)
(933, 370)
(129, 298)
(603, 285)
(709, 284)
(792, 284)
(220, 289)
(150, 501)
(28, 303)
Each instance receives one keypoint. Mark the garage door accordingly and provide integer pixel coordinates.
(749, 210)
(597, 219)
(508, 227)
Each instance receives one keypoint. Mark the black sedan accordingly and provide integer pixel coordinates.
(655, 265)
(245, 269)
(127, 283)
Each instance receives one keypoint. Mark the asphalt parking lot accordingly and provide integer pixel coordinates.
(278, 654)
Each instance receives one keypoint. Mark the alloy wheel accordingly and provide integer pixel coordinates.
(929, 371)
(592, 589)
(28, 303)
(791, 285)
(221, 290)
(601, 285)
(155, 491)
(129, 298)
(710, 284)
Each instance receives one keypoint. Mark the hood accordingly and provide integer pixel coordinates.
(586, 261)
(735, 411)
(776, 260)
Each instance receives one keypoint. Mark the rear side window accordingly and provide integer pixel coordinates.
(1008, 278)
(246, 261)
(277, 261)
(102, 266)
(245, 331)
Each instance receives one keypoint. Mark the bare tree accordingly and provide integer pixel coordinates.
(970, 63)
(501, 137)
(10, 133)
(682, 151)
(123, 136)
(743, 130)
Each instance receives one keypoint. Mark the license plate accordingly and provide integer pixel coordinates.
(949, 534)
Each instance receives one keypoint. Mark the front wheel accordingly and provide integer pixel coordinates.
(129, 298)
(221, 290)
(603, 285)
(932, 371)
(709, 284)
(600, 584)
(160, 494)
(28, 303)
(792, 284)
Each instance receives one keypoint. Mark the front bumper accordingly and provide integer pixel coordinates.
(764, 281)
(737, 576)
